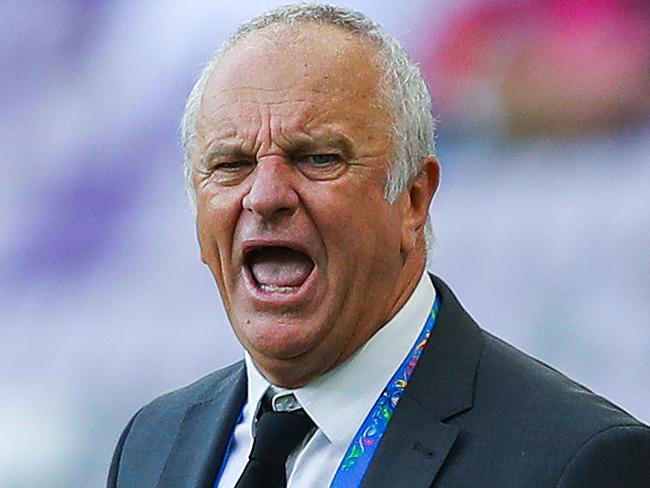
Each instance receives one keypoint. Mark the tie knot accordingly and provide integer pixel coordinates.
(279, 433)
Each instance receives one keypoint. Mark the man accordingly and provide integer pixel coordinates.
(309, 156)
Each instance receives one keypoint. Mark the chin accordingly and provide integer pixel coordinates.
(279, 340)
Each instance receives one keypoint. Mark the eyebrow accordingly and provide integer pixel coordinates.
(299, 145)
(223, 148)
(320, 142)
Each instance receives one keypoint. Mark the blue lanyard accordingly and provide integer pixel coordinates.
(362, 449)
(231, 441)
(357, 458)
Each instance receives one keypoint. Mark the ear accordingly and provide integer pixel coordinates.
(415, 203)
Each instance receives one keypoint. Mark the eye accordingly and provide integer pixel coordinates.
(229, 172)
(321, 166)
(233, 166)
(323, 159)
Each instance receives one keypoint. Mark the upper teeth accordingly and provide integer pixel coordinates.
(280, 289)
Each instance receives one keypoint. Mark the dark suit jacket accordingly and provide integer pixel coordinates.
(477, 413)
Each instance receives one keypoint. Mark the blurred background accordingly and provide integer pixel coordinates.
(542, 220)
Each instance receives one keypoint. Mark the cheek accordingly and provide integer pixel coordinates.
(361, 232)
(217, 213)
(361, 215)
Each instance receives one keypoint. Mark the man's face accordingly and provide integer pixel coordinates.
(289, 169)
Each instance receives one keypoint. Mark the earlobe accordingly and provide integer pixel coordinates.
(416, 201)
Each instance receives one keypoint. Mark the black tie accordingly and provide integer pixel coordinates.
(277, 434)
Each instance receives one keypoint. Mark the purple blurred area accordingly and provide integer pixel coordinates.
(542, 221)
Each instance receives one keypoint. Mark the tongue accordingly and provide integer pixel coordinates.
(280, 266)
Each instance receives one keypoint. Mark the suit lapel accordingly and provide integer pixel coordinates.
(417, 440)
(203, 436)
(412, 449)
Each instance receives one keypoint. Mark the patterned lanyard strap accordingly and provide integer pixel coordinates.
(357, 458)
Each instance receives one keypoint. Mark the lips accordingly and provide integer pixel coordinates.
(278, 269)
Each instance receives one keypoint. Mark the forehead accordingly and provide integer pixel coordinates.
(320, 63)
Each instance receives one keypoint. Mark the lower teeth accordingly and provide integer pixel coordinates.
(280, 289)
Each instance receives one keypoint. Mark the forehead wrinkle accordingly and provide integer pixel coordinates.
(309, 129)
(290, 89)
(250, 110)
(209, 113)
(298, 142)
(255, 128)
(276, 97)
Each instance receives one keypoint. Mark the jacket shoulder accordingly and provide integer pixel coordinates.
(616, 456)
(533, 386)
(528, 411)
(149, 437)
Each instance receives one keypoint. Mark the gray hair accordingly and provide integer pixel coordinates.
(403, 89)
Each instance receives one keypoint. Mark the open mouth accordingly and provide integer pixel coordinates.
(278, 269)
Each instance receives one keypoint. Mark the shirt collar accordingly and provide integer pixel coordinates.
(339, 400)
(257, 386)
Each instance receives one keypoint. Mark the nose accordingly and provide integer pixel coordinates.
(271, 193)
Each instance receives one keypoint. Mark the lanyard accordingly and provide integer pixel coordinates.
(359, 454)
(357, 458)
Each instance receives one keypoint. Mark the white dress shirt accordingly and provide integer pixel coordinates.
(338, 401)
